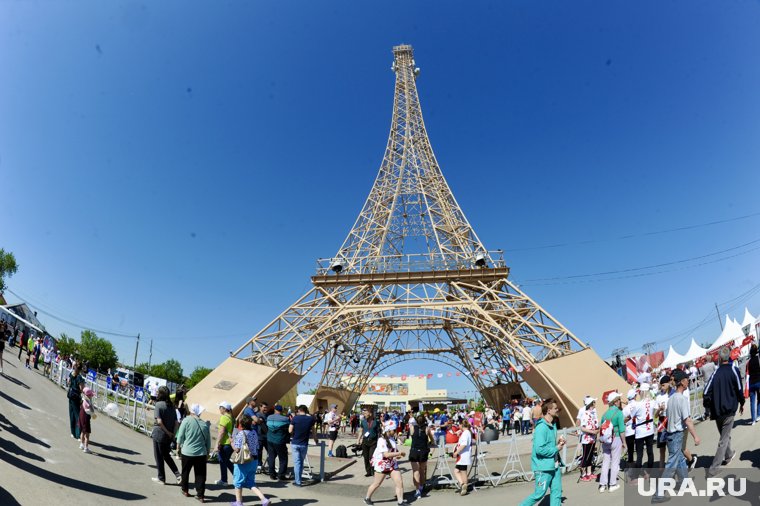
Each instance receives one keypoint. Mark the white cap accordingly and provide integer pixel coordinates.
(588, 400)
(226, 405)
(631, 394)
(613, 397)
(644, 387)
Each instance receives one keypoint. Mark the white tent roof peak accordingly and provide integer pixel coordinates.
(748, 318)
(695, 351)
(731, 331)
(672, 359)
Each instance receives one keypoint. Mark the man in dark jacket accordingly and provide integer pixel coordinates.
(724, 393)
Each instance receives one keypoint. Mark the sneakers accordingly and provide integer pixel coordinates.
(602, 489)
(220, 483)
(179, 478)
(613, 488)
(330, 453)
(586, 477)
(86, 450)
(156, 480)
(81, 446)
(417, 494)
(728, 460)
(265, 502)
(368, 501)
(463, 491)
(593, 477)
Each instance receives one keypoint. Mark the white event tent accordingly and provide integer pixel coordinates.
(731, 332)
(695, 351)
(672, 359)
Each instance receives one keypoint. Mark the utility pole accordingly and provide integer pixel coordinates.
(719, 320)
(648, 347)
(150, 357)
(137, 345)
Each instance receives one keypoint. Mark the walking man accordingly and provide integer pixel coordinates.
(332, 420)
(368, 435)
(545, 457)
(301, 427)
(724, 394)
(277, 442)
(679, 420)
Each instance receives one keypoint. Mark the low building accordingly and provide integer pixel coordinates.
(396, 393)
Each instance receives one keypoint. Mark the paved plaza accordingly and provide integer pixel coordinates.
(43, 465)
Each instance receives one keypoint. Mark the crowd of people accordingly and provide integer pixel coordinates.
(656, 412)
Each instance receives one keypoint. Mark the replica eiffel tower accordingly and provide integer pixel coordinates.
(412, 280)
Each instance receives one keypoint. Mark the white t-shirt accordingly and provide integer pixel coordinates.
(628, 412)
(526, 411)
(330, 418)
(692, 373)
(661, 401)
(589, 421)
(644, 411)
(464, 457)
(381, 448)
(579, 418)
(517, 416)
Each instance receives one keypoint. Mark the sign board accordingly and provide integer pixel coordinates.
(139, 394)
(92, 375)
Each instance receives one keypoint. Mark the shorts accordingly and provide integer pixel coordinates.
(333, 435)
(662, 439)
(461, 467)
(244, 475)
(418, 455)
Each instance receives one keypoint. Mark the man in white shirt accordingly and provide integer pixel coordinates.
(332, 420)
(661, 405)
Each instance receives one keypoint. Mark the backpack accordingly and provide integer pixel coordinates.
(606, 433)
(341, 452)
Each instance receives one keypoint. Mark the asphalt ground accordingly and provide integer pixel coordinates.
(42, 464)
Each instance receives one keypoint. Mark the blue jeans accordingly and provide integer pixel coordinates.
(299, 454)
(225, 453)
(753, 391)
(676, 463)
(525, 428)
(546, 480)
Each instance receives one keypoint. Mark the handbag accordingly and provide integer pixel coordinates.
(244, 455)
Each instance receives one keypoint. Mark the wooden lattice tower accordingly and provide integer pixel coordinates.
(412, 280)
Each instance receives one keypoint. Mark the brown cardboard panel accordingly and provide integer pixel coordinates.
(234, 380)
(325, 396)
(498, 395)
(570, 378)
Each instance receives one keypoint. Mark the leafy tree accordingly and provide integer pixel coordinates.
(96, 351)
(8, 267)
(197, 375)
(67, 345)
(170, 370)
(145, 368)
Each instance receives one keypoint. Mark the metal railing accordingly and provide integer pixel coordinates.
(411, 263)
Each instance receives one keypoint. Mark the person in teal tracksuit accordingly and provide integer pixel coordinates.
(545, 460)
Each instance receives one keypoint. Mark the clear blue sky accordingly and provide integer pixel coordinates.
(175, 168)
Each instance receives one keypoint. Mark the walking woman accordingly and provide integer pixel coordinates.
(463, 454)
(385, 463)
(194, 445)
(76, 384)
(86, 411)
(753, 378)
(244, 475)
(422, 438)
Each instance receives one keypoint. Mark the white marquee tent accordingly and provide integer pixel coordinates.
(672, 359)
(731, 332)
(695, 351)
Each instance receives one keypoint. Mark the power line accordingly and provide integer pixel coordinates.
(576, 278)
(632, 236)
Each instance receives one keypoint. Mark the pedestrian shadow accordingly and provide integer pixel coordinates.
(14, 401)
(114, 449)
(751, 455)
(16, 381)
(11, 447)
(297, 502)
(6, 499)
(7, 425)
(118, 459)
(44, 474)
